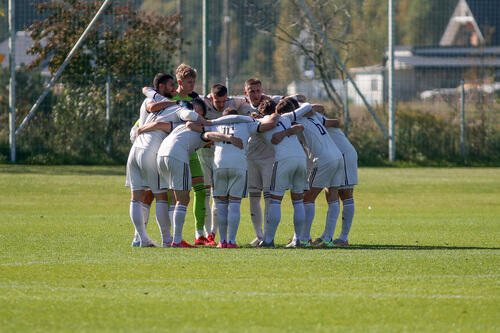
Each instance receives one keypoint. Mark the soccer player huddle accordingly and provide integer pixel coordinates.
(224, 147)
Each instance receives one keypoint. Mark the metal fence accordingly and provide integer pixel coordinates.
(86, 115)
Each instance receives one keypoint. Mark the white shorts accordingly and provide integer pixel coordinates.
(350, 164)
(142, 171)
(230, 181)
(174, 174)
(327, 174)
(206, 158)
(289, 174)
(259, 174)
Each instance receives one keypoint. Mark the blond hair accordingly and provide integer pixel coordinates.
(185, 71)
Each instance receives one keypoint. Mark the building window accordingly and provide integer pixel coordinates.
(374, 85)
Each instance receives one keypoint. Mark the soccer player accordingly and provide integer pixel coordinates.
(289, 169)
(142, 172)
(164, 83)
(174, 169)
(260, 158)
(230, 174)
(346, 191)
(217, 101)
(326, 172)
(186, 80)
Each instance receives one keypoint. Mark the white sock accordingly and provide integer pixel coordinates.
(256, 213)
(171, 210)
(163, 221)
(309, 208)
(299, 216)
(222, 211)
(267, 201)
(179, 217)
(331, 220)
(214, 217)
(145, 218)
(273, 220)
(137, 216)
(207, 227)
(347, 217)
(233, 219)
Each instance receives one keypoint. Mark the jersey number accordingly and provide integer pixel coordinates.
(320, 127)
(228, 131)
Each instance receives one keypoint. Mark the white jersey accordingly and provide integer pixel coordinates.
(227, 155)
(181, 143)
(341, 141)
(257, 146)
(290, 145)
(319, 145)
(143, 113)
(153, 139)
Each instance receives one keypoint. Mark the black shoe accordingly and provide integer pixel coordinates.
(267, 245)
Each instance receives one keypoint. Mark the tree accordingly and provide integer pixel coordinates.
(127, 47)
(305, 43)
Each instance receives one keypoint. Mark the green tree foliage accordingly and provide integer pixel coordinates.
(127, 47)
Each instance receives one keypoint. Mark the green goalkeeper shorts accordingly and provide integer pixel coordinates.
(195, 166)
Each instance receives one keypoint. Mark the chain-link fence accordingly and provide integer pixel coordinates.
(439, 45)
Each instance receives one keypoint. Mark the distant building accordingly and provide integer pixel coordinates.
(470, 46)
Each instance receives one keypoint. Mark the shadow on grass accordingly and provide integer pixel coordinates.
(62, 170)
(390, 247)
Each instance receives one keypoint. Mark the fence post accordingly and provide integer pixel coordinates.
(108, 112)
(462, 114)
(12, 82)
(392, 111)
(204, 43)
(346, 108)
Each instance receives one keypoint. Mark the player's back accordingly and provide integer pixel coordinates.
(289, 146)
(338, 136)
(181, 143)
(227, 155)
(152, 139)
(319, 143)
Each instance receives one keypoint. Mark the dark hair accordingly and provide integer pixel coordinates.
(161, 78)
(267, 107)
(294, 101)
(200, 103)
(228, 111)
(218, 90)
(285, 105)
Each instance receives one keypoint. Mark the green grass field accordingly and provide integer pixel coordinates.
(425, 257)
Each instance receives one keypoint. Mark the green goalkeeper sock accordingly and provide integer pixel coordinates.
(199, 206)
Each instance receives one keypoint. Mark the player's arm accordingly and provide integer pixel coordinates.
(216, 136)
(331, 122)
(279, 136)
(194, 126)
(269, 123)
(158, 106)
(154, 126)
(232, 118)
